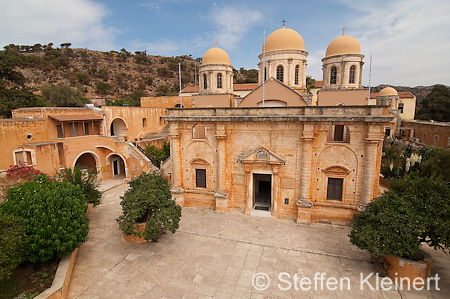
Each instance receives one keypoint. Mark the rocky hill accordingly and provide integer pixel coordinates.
(121, 75)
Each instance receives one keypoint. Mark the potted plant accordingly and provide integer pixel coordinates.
(394, 226)
(148, 209)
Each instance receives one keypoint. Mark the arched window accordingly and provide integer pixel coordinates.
(333, 75)
(205, 82)
(265, 74)
(297, 70)
(219, 80)
(280, 73)
(351, 79)
(199, 131)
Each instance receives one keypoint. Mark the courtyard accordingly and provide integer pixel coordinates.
(223, 255)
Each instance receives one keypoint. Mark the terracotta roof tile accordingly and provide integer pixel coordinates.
(75, 117)
(401, 95)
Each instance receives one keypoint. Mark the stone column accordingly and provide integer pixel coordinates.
(305, 178)
(175, 153)
(304, 202)
(221, 194)
(249, 195)
(289, 73)
(370, 172)
(276, 190)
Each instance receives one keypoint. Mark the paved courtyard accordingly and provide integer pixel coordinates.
(217, 255)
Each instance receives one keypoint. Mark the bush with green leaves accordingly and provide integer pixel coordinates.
(160, 154)
(12, 244)
(149, 200)
(86, 179)
(53, 215)
(415, 210)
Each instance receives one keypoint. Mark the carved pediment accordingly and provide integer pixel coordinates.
(337, 169)
(260, 155)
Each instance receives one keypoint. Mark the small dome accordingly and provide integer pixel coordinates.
(343, 45)
(215, 56)
(388, 91)
(284, 39)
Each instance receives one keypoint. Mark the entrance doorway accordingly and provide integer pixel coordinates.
(116, 167)
(262, 186)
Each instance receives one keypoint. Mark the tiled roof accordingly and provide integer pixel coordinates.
(401, 95)
(318, 84)
(75, 117)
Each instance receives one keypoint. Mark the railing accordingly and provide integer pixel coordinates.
(148, 155)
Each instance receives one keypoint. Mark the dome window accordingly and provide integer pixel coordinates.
(351, 79)
(333, 75)
(205, 82)
(219, 80)
(297, 70)
(265, 74)
(280, 73)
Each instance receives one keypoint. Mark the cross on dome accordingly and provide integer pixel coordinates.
(343, 30)
(284, 21)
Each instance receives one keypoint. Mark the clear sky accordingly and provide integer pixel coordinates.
(409, 39)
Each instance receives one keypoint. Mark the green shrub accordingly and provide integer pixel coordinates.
(12, 244)
(160, 154)
(86, 179)
(149, 200)
(415, 210)
(53, 214)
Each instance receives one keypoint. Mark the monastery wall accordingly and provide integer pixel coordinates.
(166, 101)
(16, 132)
(138, 121)
(294, 147)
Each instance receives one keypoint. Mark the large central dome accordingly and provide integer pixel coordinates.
(344, 44)
(284, 39)
(215, 56)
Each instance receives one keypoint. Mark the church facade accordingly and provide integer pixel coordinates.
(307, 164)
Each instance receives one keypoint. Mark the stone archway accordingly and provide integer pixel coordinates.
(118, 166)
(118, 127)
(86, 161)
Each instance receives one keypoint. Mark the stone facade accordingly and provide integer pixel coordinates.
(292, 62)
(343, 64)
(303, 163)
(421, 133)
(54, 138)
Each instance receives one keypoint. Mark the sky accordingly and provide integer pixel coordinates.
(408, 40)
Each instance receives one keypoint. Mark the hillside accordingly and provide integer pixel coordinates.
(122, 75)
(104, 74)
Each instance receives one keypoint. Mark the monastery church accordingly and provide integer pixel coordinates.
(271, 149)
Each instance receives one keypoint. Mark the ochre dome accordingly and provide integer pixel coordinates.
(343, 45)
(388, 91)
(215, 56)
(284, 39)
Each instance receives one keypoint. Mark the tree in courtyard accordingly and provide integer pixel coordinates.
(53, 215)
(86, 179)
(416, 209)
(149, 201)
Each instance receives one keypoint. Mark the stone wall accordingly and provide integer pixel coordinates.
(292, 145)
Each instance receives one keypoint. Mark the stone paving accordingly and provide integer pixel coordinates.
(216, 255)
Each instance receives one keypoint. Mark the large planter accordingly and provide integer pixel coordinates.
(139, 228)
(135, 239)
(404, 268)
